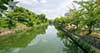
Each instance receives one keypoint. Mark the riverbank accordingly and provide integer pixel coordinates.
(91, 40)
(20, 28)
(6, 31)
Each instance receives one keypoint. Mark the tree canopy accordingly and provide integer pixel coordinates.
(86, 17)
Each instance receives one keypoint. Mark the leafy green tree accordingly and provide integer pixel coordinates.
(29, 18)
(18, 15)
(87, 17)
(3, 5)
(90, 14)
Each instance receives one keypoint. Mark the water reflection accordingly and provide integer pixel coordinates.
(20, 40)
(41, 39)
(45, 43)
(70, 46)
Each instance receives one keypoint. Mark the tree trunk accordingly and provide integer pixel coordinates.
(89, 31)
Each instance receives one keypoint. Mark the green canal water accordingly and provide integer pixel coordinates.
(42, 39)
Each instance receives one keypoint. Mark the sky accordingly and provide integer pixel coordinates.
(52, 8)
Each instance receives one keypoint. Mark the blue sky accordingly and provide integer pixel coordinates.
(52, 8)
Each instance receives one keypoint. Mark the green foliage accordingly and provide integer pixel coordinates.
(18, 15)
(4, 4)
(26, 17)
(3, 23)
(85, 18)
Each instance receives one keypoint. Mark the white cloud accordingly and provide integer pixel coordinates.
(27, 1)
(35, 0)
(52, 8)
(43, 1)
(58, 11)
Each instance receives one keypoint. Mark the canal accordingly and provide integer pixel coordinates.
(42, 39)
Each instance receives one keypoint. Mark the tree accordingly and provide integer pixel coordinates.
(90, 14)
(86, 17)
(3, 5)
